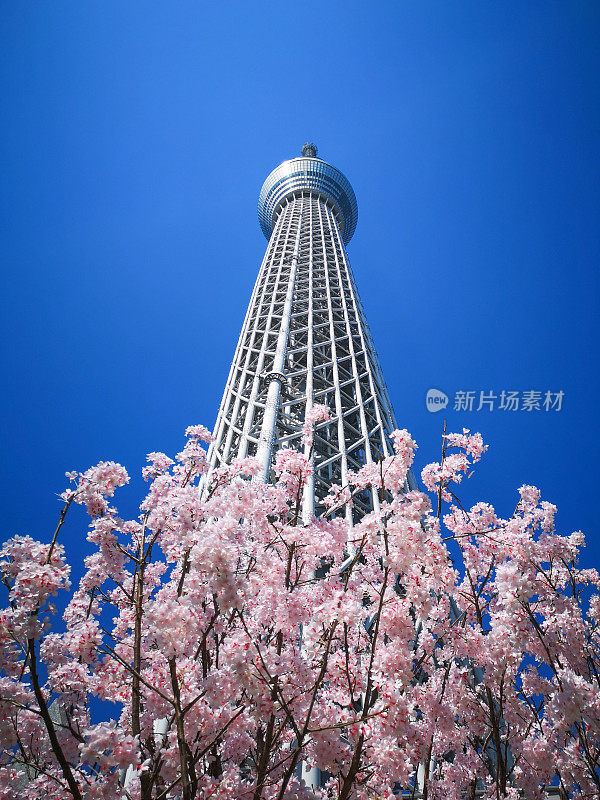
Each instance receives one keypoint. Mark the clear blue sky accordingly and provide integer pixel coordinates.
(135, 138)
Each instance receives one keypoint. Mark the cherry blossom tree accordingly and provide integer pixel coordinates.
(429, 648)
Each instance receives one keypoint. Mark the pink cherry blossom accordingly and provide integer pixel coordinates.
(452, 652)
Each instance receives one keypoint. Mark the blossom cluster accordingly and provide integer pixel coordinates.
(243, 645)
(438, 476)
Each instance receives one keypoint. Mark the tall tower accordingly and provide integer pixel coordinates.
(305, 340)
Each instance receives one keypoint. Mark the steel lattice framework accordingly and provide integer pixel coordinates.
(305, 340)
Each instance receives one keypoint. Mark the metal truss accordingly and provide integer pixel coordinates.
(305, 341)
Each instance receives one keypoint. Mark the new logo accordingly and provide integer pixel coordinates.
(435, 400)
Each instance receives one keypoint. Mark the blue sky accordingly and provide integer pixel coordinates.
(135, 138)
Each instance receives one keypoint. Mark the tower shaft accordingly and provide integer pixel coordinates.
(305, 341)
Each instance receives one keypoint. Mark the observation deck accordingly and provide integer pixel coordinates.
(308, 173)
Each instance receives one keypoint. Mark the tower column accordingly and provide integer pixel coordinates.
(308, 495)
(264, 452)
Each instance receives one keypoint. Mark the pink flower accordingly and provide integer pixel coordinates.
(318, 413)
(229, 634)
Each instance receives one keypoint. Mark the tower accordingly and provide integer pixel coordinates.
(305, 340)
